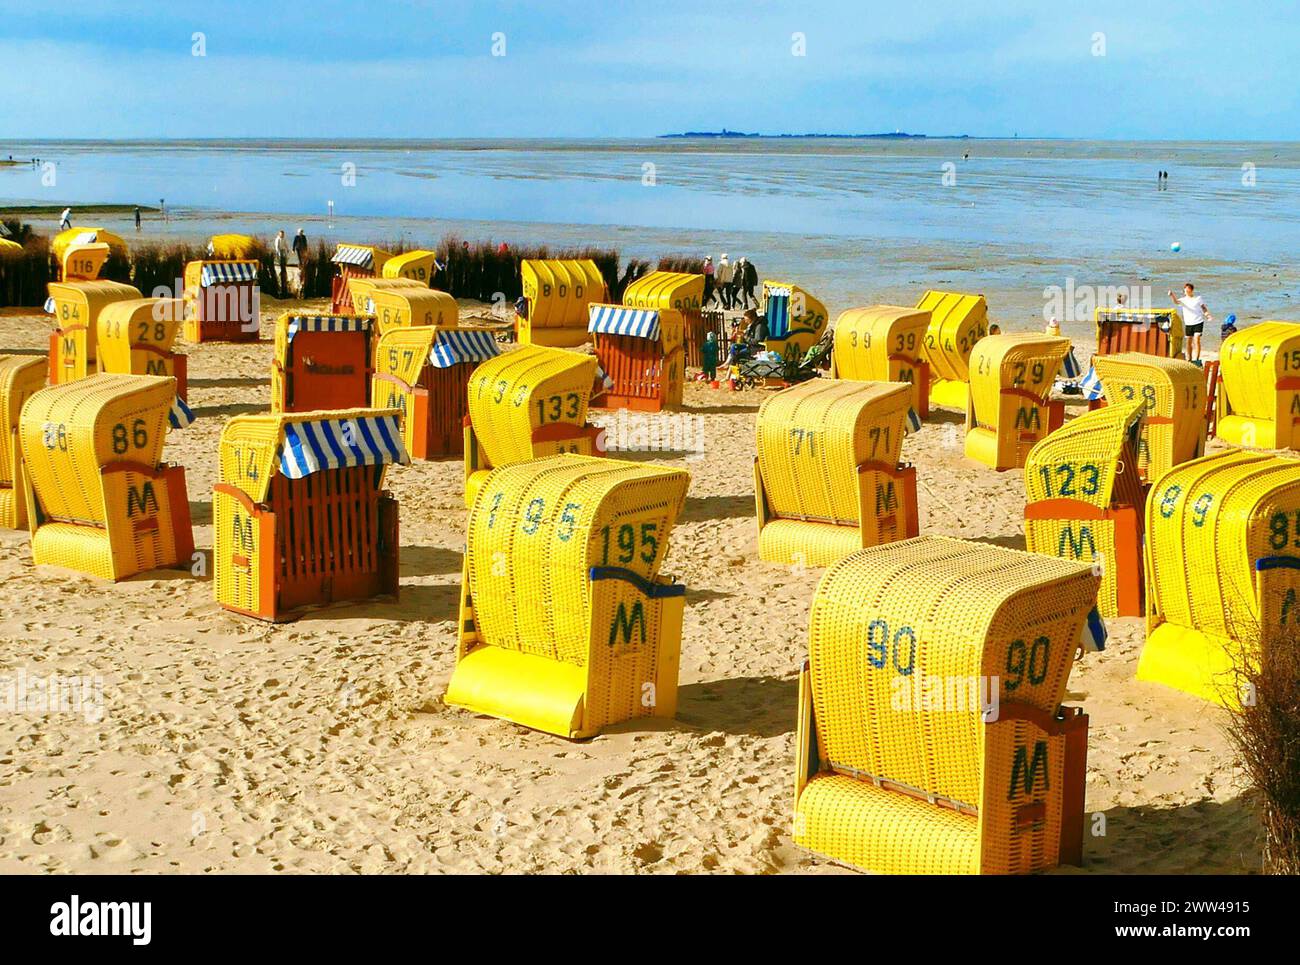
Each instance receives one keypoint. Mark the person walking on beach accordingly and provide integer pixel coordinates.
(750, 282)
(300, 248)
(281, 247)
(65, 219)
(723, 279)
(137, 217)
(708, 280)
(1195, 314)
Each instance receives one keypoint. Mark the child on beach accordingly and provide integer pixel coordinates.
(709, 357)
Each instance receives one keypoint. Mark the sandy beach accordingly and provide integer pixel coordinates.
(322, 745)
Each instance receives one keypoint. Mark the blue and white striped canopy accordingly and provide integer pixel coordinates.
(913, 421)
(358, 255)
(326, 323)
(345, 441)
(462, 345)
(224, 272)
(49, 306)
(180, 415)
(1091, 385)
(1070, 368)
(616, 320)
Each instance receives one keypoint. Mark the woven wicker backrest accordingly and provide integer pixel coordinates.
(1172, 395)
(957, 322)
(812, 438)
(1253, 360)
(681, 291)
(411, 305)
(1089, 459)
(893, 622)
(136, 335)
(1023, 362)
(538, 527)
(559, 290)
(20, 377)
(70, 432)
(880, 342)
(1208, 521)
(518, 392)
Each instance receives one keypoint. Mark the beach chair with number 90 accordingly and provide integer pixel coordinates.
(931, 737)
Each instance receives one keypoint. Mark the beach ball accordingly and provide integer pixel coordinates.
(1176, 246)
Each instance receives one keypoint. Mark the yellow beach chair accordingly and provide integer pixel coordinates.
(322, 362)
(641, 352)
(1223, 569)
(404, 306)
(300, 514)
(1172, 393)
(353, 261)
(20, 377)
(75, 306)
(525, 404)
(557, 293)
(99, 498)
(957, 322)
(361, 290)
(1259, 402)
(931, 737)
(884, 343)
(1009, 409)
(565, 624)
(417, 266)
(827, 477)
(222, 301)
(680, 291)
(796, 320)
(424, 372)
(135, 338)
(1083, 501)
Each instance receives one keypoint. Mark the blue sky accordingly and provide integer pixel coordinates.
(1187, 70)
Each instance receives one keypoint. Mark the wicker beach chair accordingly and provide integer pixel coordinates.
(796, 320)
(957, 322)
(1084, 499)
(417, 265)
(1223, 569)
(403, 306)
(1150, 331)
(424, 372)
(1009, 408)
(353, 261)
(99, 498)
(135, 337)
(1172, 393)
(827, 477)
(682, 292)
(884, 343)
(1259, 400)
(20, 377)
(557, 293)
(524, 404)
(300, 515)
(566, 625)
(75, 306)
(222, 301)
(640, 350)
(322, 362)
(931, 737)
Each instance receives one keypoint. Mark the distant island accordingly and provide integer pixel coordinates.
(892, 136)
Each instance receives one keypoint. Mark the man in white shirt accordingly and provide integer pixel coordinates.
(65, 219)
(723, 278)
(1195, 314)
